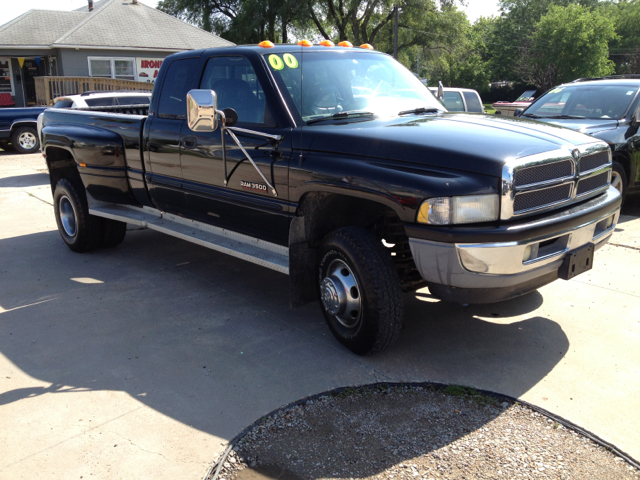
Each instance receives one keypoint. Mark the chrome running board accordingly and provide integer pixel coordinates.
(245, 247)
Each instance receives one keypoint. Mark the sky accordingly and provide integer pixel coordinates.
(11, 8)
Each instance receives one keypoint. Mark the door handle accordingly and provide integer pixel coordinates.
(189, 142)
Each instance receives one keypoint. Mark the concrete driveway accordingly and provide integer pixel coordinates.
(144, 360)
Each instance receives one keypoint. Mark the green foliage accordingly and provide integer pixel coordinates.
(568, 43)
(625, 48)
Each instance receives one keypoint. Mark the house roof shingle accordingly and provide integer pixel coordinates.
(112, 24)
(39, 27)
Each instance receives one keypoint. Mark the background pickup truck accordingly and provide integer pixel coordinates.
(337, 167)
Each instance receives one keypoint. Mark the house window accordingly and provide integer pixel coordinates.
(6, 76)
(107, 67)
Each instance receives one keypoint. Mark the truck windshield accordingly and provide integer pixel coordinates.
(321, 84)
(585, 101)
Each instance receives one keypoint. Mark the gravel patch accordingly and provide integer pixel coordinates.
(417, 433)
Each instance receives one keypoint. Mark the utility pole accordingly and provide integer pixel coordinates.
(395, 33)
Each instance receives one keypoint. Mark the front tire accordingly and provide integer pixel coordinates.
(81, 231)
(25, 140)
(359, 290)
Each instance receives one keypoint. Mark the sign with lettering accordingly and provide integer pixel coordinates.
(147, 69)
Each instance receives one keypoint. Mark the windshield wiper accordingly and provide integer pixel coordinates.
(567, 117)
(354, 113)
(419, 110)
(530, 115)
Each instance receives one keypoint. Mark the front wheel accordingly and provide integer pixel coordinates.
(359, 290)
(25, 140)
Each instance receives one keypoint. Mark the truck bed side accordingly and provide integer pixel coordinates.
(104, 148)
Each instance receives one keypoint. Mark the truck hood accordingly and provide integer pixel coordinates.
(589, 126)
(469, 142)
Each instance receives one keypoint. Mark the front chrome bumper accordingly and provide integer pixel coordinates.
(509, 264)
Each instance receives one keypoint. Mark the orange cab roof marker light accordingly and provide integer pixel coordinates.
(266, 44)
(327, 43)
(367, 46)
(345, 43)
(305, 43)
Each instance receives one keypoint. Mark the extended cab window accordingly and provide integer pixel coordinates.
(100, 102)
(473, 102)
(236, 85)
(180, 78)
(453, 102)
(132, 100)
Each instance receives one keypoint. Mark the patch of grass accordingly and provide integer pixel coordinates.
(470, 394)
(488, 108)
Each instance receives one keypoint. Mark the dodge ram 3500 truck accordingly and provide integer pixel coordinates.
(336, 166)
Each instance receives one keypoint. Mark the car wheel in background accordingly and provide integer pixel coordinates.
(25, 140)
(619, 178)
(359, 290)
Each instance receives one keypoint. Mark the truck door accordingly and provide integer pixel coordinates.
(242, 201)
(163, 127)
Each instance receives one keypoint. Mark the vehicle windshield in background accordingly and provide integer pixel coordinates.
(585, 101)
(526, 96)
(327, 83)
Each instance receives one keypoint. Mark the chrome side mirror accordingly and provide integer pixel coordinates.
(518, 112)
(201, 110)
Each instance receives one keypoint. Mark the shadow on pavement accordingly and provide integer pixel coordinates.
(209, 340)
(31, 180)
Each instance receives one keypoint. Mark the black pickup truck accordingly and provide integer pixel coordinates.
(336, 166)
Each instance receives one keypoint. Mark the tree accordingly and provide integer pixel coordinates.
(567, 43)
(624, 50)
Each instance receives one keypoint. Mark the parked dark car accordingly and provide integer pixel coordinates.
(607, 108)
(18, 126)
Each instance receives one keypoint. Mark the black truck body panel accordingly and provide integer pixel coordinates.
(319, 170)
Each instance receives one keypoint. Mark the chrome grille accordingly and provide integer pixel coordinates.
(543, 181)
(589, 162)
(590, 184)
(543, 173)
(536, 199)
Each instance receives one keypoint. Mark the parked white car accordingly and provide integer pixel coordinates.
(103, 99)
(460, 99)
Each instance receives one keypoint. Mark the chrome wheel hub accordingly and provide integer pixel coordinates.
(27, 140)
(340, 294)
(67, 216)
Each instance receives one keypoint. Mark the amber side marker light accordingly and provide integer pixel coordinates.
(367, 46)
(82, 164)
(266, 44)
(345, 43)
(327, 43)
(305, 43)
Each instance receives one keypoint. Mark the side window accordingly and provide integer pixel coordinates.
(236, 85)
(100, 102)
(453, 102)
(178, 81)
(473, 102)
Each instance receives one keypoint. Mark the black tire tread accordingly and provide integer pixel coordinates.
(89, 226)
(379, 279)
(113, 232)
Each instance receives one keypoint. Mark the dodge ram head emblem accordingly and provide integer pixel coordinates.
(576, 154)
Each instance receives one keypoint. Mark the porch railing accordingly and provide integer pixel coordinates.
(48, 88)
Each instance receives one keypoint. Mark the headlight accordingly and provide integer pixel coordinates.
(457, 210)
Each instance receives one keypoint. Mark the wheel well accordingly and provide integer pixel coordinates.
(61, 165)
(15, 126)
(326, 212)
(624, 160)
